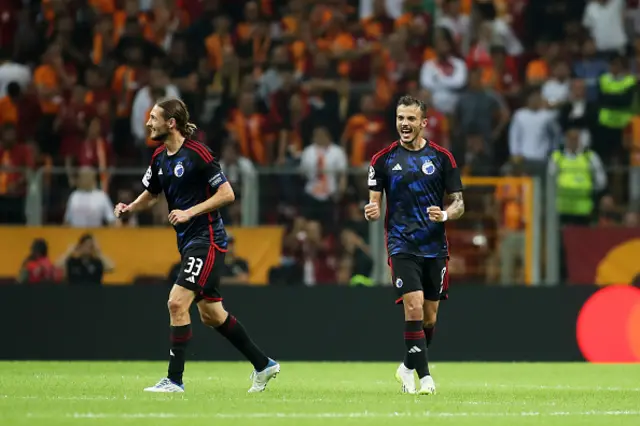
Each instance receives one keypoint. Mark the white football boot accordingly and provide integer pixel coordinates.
(407, 379)
(427, 386)
(261, 378)
(165, 385)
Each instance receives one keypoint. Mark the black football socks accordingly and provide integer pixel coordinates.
(428, 334)
(414, 340)
(180, 336)
(235, 333)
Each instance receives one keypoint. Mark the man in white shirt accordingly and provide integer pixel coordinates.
(88, 206)
(556, 90)
(533, 134)
(324, 164)
(445, 75)
(605, 21)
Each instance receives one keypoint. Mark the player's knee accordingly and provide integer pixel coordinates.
(413, 307)
(176, 307)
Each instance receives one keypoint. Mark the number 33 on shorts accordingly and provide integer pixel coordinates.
(200, 271)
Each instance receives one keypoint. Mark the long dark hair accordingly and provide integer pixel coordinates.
(176, 109)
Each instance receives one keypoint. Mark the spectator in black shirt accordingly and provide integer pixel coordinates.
(84, 263)
(236, 269)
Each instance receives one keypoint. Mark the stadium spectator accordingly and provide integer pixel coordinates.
(88, 206)
(609, 213)
(84, 263)
(37, 268)
(511, 235)
(236, 269)
(365, 133)
(324, 165)
(237, 169)
(438, 128)
(590, 67)
(615, 101)
(458, 24)
(480, 111)
(478, 161)
(555, 90)
(580, 176)
(533, 134)
(15, 158)
(538, 70)
(579, 112)
(445, 75)
(11, 71)
(248, 128)
(604, 19)
(355, 263)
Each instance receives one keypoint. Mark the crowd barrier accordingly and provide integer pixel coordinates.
(329, 323)
(138, 252)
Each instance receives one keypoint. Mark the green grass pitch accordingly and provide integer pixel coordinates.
(304, 394)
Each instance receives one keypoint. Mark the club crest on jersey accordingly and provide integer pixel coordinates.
(428, 168)
(178, 171)
(399, 282)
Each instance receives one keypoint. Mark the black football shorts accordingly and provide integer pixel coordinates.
(200, 272)
(413, 273)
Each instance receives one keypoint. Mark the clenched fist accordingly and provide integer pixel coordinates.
(120, 209)
(436, 214)
(372, 211)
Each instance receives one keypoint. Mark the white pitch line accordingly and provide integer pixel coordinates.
(364, 414)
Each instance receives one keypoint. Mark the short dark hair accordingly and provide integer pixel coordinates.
(407, 100)
(176, 109)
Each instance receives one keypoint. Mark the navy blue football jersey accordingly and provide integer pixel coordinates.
(412, 182)
(189, 177)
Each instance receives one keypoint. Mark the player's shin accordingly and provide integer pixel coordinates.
(180, 337)
(235, 333)
(416, 345)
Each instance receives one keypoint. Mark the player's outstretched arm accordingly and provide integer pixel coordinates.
(456, 208)
(146, 200)
(222, 197)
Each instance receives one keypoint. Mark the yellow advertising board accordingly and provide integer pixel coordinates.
(138, 251)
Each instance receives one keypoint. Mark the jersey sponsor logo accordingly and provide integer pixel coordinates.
(399, 282)
(216, 180)
(397, 167)
(178, 171)
(147, 177)
(372, 176)
(428, 168)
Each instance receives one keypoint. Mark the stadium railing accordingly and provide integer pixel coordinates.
(276, 195)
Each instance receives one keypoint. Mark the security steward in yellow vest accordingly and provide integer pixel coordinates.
(617, 92)
(579, 177)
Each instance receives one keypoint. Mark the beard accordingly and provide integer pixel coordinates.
(159, 136)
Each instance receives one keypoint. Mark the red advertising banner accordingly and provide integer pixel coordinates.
(602, 255)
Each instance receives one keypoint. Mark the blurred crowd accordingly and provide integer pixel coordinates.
(310, 86)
